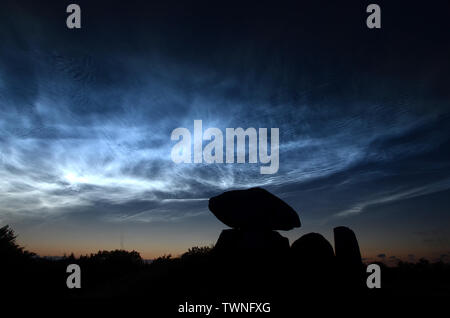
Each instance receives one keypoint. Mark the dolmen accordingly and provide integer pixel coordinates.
(312, 261)
(251, 257)
(254, 216)
(253, 248)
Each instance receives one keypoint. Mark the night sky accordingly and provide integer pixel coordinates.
(86, 119)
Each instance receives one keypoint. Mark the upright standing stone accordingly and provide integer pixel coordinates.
(313, 248)
(248, 240)
(348, 256)
(312, 261)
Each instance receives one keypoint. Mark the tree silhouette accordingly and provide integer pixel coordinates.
(9, 249)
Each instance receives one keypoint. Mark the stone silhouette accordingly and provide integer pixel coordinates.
(348, 256)
(253, 214)
(347, 248)
(252, 254)
(312, 261)
(236, 239)
(254, 208)
(253, 248)
(312, 248)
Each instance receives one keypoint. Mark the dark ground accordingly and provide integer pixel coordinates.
(120, 280)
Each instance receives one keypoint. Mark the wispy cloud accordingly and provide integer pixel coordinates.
(394, 196)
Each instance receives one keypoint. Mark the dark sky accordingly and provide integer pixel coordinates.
(86, 118)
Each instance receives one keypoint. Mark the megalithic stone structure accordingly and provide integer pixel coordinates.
(254, 216)
(348, 257)
(252, 251)
(254, 208)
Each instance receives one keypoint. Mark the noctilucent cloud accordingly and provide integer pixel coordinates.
(87, 115)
